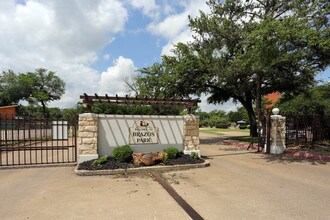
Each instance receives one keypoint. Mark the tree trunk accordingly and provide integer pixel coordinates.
(44, 111)
(252, 119)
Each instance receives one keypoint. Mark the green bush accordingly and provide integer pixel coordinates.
(100, 161)
(165, 159)
(172, 152)
(220, 125)
(122, 153)
(204, 123)
(194, 155)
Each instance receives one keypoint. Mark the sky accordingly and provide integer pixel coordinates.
(93, 45)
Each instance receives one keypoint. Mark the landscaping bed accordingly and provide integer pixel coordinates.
(317, 149)
(112, 164)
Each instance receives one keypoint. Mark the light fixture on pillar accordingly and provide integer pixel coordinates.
(275, 111)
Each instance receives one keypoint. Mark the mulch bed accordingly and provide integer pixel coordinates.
(111, 164)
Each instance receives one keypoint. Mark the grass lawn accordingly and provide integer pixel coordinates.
(211, 131)
(222, 131)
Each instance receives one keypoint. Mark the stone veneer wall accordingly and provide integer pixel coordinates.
(87, 137)
(191, 133)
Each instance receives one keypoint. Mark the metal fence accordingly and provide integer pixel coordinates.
(26, 140)
(307, 129)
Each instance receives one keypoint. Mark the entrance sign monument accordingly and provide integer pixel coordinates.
(99, 134)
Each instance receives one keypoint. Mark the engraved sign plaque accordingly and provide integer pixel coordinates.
(143, 132)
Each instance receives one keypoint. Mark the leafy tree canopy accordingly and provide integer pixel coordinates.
(245, 49)
(239, 114)
(314, 101)
(40, 86)
(11, 89)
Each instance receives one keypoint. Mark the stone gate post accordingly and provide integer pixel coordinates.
(191, 134)
(277, 133)
(87, 137)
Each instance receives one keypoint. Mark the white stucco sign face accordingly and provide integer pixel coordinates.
(143, 132)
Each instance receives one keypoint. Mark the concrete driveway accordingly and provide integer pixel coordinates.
(238, 185)
(241, 184)
(57, 193)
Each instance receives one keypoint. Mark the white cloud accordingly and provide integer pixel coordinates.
(112, 81)
(67, 37)
(170, 26)
(227, 106)
(148, 7)
(174, 28)
(106, 56)
(62, 36)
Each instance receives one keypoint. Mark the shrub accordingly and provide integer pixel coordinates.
(204, 123)
(100, 161)
(172, 152)
(165, 159)
(122, 153)
(219, 125)
(194, 155)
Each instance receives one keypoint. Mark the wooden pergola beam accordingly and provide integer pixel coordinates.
(90, 100)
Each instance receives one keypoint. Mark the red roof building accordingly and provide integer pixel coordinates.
(8, 111)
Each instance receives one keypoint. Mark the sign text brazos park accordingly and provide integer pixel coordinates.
(143, 132)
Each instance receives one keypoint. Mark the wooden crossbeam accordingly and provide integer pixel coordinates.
(89, 100)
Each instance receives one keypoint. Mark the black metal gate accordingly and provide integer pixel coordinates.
(28, 141)
(307, 129)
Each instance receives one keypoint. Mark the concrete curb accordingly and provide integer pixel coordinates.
(140, 169)
(38, 166)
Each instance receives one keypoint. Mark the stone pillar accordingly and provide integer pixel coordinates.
(191, 134)
(277, 133)
(87, 137)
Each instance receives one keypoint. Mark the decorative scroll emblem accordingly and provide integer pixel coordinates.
(143, 132)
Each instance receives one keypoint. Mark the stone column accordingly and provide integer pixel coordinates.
(87, 137)
(191, 134)
(277, 133)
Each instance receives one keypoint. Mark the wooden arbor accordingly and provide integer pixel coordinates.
(90, 100)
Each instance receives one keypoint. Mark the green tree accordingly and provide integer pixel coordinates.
(73, 113)
(243, 50)
(239, 114)
(314, 101)
(11, 89)
(44, 86)
(37, 111)
(204, 119)
(105, 108)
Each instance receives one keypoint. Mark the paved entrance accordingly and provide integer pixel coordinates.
(242, 184)
(57, 193)
(239, 184)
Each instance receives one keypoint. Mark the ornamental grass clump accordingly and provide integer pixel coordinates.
(122, 153)
(172, 152)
